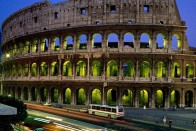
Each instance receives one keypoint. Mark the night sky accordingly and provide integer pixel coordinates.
(187, 10)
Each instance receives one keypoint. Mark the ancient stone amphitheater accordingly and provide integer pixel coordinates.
(126, 52)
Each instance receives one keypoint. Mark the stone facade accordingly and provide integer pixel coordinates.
(49, 48)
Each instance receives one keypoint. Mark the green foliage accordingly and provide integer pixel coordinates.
(21, 108)
(68, 96)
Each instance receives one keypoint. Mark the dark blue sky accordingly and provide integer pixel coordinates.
(187, 10)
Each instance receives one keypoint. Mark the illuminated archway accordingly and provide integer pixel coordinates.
(189, 99)
(26, 93)
(54, 69)
(34, 46)
(43, 69)
(67, 96)
(19, 70)
(143, 98)
(27, 47)
(54, 95)
(189, 71)
(112, 68)
(44, 44)
(96, 96)
(55, 44)
(81, 96)
(128, 69)
(67, 68)
(26, 70)
(43, 94)
(145, 41)
(175, 98)
(160, 70)
(81, 68)
(111, 97)
(159, 99)
(20, 48)
(112, 40)
(161, 41)
(82, 43)
(145, 69)
(97, 41)
(33, 94)
(34, 69)
(68, 43)
(128, 40)
(176, 70)
(176, 42)
(96, 68)
(127, 98)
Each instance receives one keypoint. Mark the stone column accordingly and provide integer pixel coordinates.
(60, 69)
(120, 74)
(182, 98)
(120, 42)
(169, 42)
(61, 45)
(183, 75)
(74, 68)
(29, 76)
(169, 69)
(29, 94)
(88, 67)
(194, 97)
(87, 97)
(167, 97)
(38, 69)
(39, 46)
(137, 43)
(153, 71)
(38, 94)
(153, 42)
(119, 96)
(137, 70)
(22, 93)
(104, 93)
(136, 96)
(75, 42)
(49, 45)
(49, 95)
(60, 96)
(89, 43)
(152, 97)
(103, 68)
(104, 42)
(73, 97)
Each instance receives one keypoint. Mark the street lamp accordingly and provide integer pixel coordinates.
(7, 55)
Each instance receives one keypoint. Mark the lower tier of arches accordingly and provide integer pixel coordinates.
(152, 95)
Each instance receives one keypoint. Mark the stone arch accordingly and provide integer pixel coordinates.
(44, 45)
(96, 96)
(189, 98)
(34, 69)
(43, 69)
(54, 95)
(112, 40)
(127, 98)
(83, 40)
(68, 43)
(67, 96)
(97, 41)
(176, 42)
(81, 68)
(175, 98)
(67, 68)
(159, 99)
(161, 41)
(145, 69)
(189, 70)
(144, 98)
(26, 93)
(111, 97)
(27, 47)
(145, 41)
(160, 70)
(128, 40)
(34, 46)
(128, 69)
(176, 70)
(96, 68)
(80, 96)
(33, 94)
(26, 69)
(112, 68)
(43, 94)
(54, 69)
(55, 44)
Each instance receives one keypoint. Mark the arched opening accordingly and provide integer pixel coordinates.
(97, 41)
(96, 96)
(176, 70)
(189, 71)
(43, 94)
(44, 69)
(67, 68)
(54, 69)
(20, 48)
(34, 69)
(54, 95)
(189, 99)
(19, 93)
(82, 44)
(160, 70)
(19, 70)
(81, 68)
(161, 41)
(176, 42)
(159, 99)
(34, 46)
(33, 94)
(111, 97)
(26, 93)
(67, 96)
(44, 45)
(128, 69)
(26, 70)
(112, 68)
(143, 98)
(81, 96)
(175, 98)
(128, 40)
(68, 43)
(145, 69)
(55, 45)
(127, 98)
(96, 68)
(27, 47)
(112, 40)
(145, 41)
(13, 70)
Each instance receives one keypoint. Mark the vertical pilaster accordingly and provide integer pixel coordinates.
(29, 93)
(104, 42)
(167, 97)
(194, 97)
(152, 97)
(60, 69)
(120, 70)
(104, 93)
(136, 96)
(87, 97)
(153, 42)
(49, 96)
(73, 97)
(120, 42)
(182, 98)
(137, 70)
(38, 94)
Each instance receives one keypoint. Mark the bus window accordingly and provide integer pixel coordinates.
(93, 107)
(103, 108)
(108, 109)
(120, 110)
(113, 110)
(98, 108)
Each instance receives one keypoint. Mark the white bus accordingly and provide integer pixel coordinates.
(106, 111)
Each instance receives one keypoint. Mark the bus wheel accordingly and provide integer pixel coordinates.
(109, 116)
(93, 113)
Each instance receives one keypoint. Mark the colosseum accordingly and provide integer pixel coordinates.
(117, 52)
